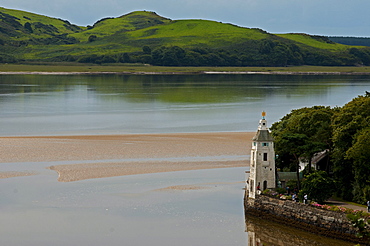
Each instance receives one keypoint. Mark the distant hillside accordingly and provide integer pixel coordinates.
(351, 41)
(145, 37)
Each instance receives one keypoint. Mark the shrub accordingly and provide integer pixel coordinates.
(318, 186)
(281, 190)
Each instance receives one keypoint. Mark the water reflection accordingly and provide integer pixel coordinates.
(176, 88)
(263, 232)
(114, 104)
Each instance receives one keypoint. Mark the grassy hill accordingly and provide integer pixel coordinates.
(16, 25)
(145, 37)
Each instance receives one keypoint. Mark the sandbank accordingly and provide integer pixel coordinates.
(99, 156)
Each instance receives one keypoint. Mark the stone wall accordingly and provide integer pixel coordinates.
(303, 216)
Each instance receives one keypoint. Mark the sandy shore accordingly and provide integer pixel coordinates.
(100, 156)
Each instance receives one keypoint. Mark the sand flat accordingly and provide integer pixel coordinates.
(130, 154)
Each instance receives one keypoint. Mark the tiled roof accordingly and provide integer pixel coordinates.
(263, 135)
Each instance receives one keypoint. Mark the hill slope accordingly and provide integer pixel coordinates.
(16, 25)
(351, 40)
(146, 37)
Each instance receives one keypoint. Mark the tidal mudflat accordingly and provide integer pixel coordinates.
(98, 156)
(163, 189)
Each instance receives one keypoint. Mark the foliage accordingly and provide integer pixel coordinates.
(359, 218)
(280, 190)
(351, 125)
(54, 40)
(25, 25)
(167, 42)
(349, 211)
(5, 58)
(318, 186)
(271, 193)
(360, 223)
(292, 184)
(300, 134)
(92, 38)
(361, 41)
(344, 132)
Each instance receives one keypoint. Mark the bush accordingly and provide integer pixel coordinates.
(318, 186)
(92, 38)
(281, 190)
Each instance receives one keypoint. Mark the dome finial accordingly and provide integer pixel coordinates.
(263, 114)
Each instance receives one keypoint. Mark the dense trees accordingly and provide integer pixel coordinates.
(301, 134)
(360, 41)
(344, 132)
(350, 123)
(262, 53)
(310, 125)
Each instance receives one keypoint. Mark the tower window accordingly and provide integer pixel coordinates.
(265, 144)
(264, 156)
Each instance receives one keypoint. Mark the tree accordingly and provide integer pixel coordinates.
(168, 56)
(28, 27)
(301, 134)
(359, 154)
(347, 124)
(92, 38)
(146, 59)
(291, 144)
(147, 50)
(124, 58)
(318, 186)
(314, 123)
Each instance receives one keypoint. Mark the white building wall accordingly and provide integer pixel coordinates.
(262, 162)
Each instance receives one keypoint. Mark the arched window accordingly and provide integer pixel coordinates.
(264, 185)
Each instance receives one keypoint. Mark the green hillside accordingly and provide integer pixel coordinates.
(145, 37)
(319, 42)
(16, 25)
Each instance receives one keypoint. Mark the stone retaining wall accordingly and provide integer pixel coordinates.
(303, 216)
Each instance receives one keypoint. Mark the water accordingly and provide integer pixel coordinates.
(203, 207)
(116, 104)
(129, 210)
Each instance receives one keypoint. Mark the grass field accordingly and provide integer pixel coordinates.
(139, 68)
(308, 40)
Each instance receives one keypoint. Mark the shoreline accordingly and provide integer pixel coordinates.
(142, 69)
(187, 73)
(100, 156)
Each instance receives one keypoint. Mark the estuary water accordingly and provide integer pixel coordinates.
(144, 209)
(119, 104)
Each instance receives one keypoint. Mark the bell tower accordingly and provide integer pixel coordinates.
(262, 162)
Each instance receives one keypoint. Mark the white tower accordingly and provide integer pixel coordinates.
(262, 163)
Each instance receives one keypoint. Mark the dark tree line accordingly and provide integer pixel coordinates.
(343, 131)
(267, 52)
(262, 53)
(361, 41)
